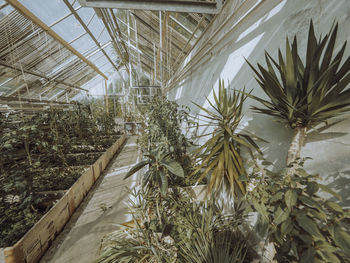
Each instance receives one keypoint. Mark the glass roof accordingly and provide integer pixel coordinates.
(33, 64)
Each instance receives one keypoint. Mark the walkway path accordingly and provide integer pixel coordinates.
(102, 207)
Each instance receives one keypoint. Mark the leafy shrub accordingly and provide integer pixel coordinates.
(164, 121)
(161, 173)
(178, 230)
(36, 154)
(303, 226)
(163, 129)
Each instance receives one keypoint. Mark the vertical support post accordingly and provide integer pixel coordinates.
(137, 45)
(161, 47)
(106, 98)
(128, 23)
(155, 64)
(114, 107)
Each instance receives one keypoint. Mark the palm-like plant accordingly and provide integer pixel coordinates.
(161, 169)
(220, 155)
(305, 95)
(214, 237)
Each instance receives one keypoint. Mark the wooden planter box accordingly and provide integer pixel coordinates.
(31, 247)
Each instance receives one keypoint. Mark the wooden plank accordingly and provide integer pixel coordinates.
(40, 237)
(96, 169)
(14, 254)
(35, 242)
(88, 179)
(75, 195)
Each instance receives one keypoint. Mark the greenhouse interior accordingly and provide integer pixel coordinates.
(178, 131)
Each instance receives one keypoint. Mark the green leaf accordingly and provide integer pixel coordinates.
(136, 168)
(330, 257)
(287, 226)
(280, 215)
(312, 188)
(307, 239)
(308, 255)
(174, 167)
(334, 206)
(276, 197)
(342, 239)
(301, 172)
(309, 226)
(164, 183)
(328, 190)
(311, 202)
(291, 198)
(260, 208)
(326, 247)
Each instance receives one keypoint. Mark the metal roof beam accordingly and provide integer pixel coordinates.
(186, 6)
(24, 11)
(77, 17)
(3, 5)
(40, 75)
(16, 99)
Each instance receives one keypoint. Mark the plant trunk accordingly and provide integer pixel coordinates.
(296, 144)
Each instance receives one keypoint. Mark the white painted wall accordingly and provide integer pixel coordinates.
(244, 29)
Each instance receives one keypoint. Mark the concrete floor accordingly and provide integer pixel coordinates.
(103, 207)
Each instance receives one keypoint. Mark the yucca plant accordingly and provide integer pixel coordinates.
(305, 94)
(220, 155)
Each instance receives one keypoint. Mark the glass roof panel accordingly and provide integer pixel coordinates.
(76, 3)
(68, 28)
(83, 44)
(94, 58)
(86, 14)
(6, 10)
(47, 11)
(95, 26)
(104, 37)
(107, 68)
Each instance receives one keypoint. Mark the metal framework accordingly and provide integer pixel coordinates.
(37, 62)
(24, 11)
(190, 6)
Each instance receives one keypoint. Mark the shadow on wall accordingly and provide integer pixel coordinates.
(266, 29)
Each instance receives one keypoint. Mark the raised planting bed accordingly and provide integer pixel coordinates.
(41, 157)
(31, 247)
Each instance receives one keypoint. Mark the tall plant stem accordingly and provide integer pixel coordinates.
(296, 144)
